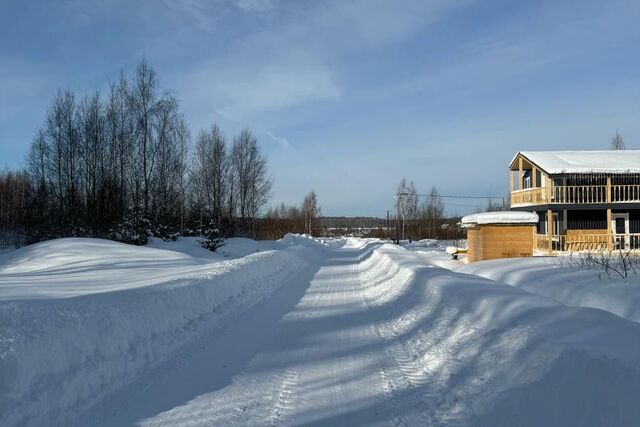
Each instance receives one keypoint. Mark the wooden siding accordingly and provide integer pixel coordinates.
(581, 240)
(499, 241)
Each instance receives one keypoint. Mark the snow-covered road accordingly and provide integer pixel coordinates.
(309, 354)
(351, 332)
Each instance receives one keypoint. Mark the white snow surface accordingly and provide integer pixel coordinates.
(80, 316)
(499, 217)
(348, 332)
(597, 161)
(567, 284)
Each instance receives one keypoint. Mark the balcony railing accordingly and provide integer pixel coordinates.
(625, 193)
(596, 242)
(530, 196)
(581, 194)
(576, 194)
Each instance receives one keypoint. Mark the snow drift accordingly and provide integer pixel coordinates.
(481, 353)
(568, 285)
(65, 346)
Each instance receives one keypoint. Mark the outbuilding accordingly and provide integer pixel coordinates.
(492, 235)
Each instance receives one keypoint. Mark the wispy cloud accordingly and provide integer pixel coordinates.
(255, 5)
(281, 141)
(375, 23)
(274, 88)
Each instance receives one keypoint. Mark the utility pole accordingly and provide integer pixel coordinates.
(397, 227)
(387, 224)
(400, 210)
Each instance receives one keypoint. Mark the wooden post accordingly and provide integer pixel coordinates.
(608, 189)
(534, 177)
(550, 229)
(520, 173)
(510, 181)
(609, 230)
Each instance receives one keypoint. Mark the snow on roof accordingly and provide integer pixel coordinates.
(502, 217)
(604, 161)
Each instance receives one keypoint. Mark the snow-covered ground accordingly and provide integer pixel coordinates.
(434, 251)
(80, 316)
(553, 277)
(567, 284)
(298, 332)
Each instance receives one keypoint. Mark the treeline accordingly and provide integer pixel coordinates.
(284, 219)
(352, 222)
(122, 166)
(421, 216)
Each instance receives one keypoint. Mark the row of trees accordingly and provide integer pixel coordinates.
(122, 166)
(419, 216)
(301, 219)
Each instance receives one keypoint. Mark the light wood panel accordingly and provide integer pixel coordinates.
(499, 241)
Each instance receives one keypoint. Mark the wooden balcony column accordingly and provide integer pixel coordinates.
(520, 177)
(608, 189)
(550, 230)
(510, 181)
(534, 177)
(609, 230)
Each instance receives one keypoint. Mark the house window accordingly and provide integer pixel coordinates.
(541, 226)
(526, 179)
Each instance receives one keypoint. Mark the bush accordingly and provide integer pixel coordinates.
(212, 239)
(134, 230)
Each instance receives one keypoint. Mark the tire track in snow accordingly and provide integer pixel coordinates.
(283, 402)
(391, 377)
(400, 375)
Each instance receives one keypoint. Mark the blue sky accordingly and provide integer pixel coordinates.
(347, 97)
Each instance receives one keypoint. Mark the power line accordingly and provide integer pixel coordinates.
(451, 196)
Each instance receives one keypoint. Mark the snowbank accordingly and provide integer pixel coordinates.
(237, 247)
(72, 267)
(438, 252)
(482, 353)
(60, 354)
(502, 217)
(191, 246)
(570, 286)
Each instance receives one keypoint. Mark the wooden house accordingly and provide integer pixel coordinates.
(493, 235)
(586, 200)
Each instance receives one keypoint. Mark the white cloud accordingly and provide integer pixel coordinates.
(274, 88)
(254, 5)
(375, 23)
(281, 141)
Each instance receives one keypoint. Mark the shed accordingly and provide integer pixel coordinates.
(492, 235)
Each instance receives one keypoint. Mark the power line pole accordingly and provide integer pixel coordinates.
(397, 227)
(400, 210)
(387, 224)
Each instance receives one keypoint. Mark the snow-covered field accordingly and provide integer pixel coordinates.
(304, 332)
(565, 283)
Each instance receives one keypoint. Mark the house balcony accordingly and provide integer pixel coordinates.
(587, 241)
(576, 195)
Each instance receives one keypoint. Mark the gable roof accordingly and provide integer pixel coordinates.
(603, 161)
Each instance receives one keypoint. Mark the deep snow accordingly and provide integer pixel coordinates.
(309, 332)
(569, 285)
(81, 316)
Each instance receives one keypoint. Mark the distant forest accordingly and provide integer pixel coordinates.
(124, 166)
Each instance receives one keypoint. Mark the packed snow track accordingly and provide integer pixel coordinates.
(366, 333)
